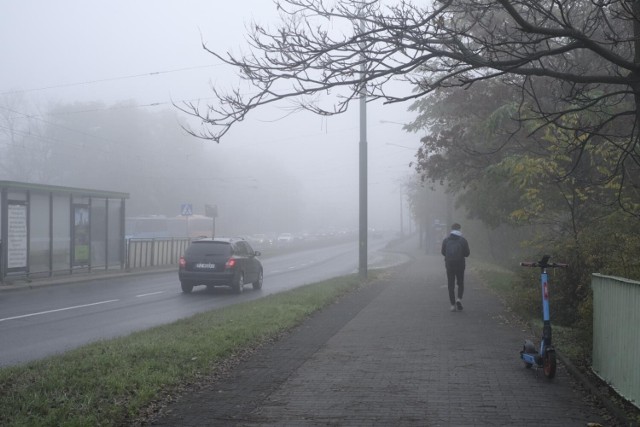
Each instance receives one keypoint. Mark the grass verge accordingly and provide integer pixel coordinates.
(111, 382)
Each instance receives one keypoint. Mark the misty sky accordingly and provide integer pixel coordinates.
(150, 51)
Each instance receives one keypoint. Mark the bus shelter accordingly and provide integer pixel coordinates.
(48, 230)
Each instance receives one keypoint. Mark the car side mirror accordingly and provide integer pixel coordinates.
(256, 253)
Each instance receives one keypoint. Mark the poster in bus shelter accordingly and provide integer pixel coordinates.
(81, 235)
(17, 236)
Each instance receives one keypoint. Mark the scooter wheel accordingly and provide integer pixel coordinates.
(549, 364)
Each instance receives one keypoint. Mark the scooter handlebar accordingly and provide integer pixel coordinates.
(528, 264)
(544, 265)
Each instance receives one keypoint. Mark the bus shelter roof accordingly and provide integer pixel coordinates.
(43, 188)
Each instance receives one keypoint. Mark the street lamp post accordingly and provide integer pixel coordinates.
(363, 170)
(401, 217)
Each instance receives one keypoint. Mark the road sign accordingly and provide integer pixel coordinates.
(186, 209)
(211, 211)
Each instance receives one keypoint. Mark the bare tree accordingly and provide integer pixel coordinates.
(585, 51)
(24, 147)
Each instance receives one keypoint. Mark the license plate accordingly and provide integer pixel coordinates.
(204, 265)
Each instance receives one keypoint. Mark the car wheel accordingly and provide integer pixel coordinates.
(258, 283)
(186, 287)
(238, 286)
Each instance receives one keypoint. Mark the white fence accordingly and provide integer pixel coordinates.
(616, 334)
(146, 253)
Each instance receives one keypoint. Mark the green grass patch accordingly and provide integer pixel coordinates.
(111, 382)
(500, 281)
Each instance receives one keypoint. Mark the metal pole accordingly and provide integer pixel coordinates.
(401, 217)
(363, 171)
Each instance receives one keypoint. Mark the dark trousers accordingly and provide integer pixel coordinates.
(455, 272)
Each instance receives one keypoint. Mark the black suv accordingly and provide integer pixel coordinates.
(220, 262)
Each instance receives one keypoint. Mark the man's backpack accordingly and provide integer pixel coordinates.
(454, 249)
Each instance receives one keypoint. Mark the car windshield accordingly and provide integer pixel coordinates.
(209, 248)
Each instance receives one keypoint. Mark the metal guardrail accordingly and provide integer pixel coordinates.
(616, 341)
(146, 253)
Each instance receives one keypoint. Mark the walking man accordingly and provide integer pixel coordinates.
(455, 249)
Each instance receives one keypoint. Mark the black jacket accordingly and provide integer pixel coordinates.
(458, 240)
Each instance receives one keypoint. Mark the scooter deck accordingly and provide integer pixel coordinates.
(532, 358)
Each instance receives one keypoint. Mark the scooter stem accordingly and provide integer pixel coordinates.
(544, 283)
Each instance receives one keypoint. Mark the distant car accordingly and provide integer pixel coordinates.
(220, 262)
(285, 238)
(259, 238)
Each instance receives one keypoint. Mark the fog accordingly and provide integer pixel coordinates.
(111, 71)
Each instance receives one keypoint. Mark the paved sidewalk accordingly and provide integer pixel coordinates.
(392, 354)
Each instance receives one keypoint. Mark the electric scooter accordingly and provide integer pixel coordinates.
(545, 356)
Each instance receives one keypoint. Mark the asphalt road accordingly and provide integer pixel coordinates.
(44, 320)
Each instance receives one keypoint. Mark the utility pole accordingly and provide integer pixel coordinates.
(363, 167)
(401, 217)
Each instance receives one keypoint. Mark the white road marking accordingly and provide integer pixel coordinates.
(57, 310)
(150, 293)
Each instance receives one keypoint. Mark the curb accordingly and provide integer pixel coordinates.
(25, 284)
(592, 389)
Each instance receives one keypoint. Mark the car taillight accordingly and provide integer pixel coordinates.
(230, 263)
(182, 263)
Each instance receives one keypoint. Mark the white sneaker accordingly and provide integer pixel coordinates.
(453, 308)
(459, 304)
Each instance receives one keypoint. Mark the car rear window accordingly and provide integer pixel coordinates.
(209, 248)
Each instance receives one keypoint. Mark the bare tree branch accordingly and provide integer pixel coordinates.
(586, 49)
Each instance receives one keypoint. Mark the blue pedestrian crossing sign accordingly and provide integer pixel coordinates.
(186, 209)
